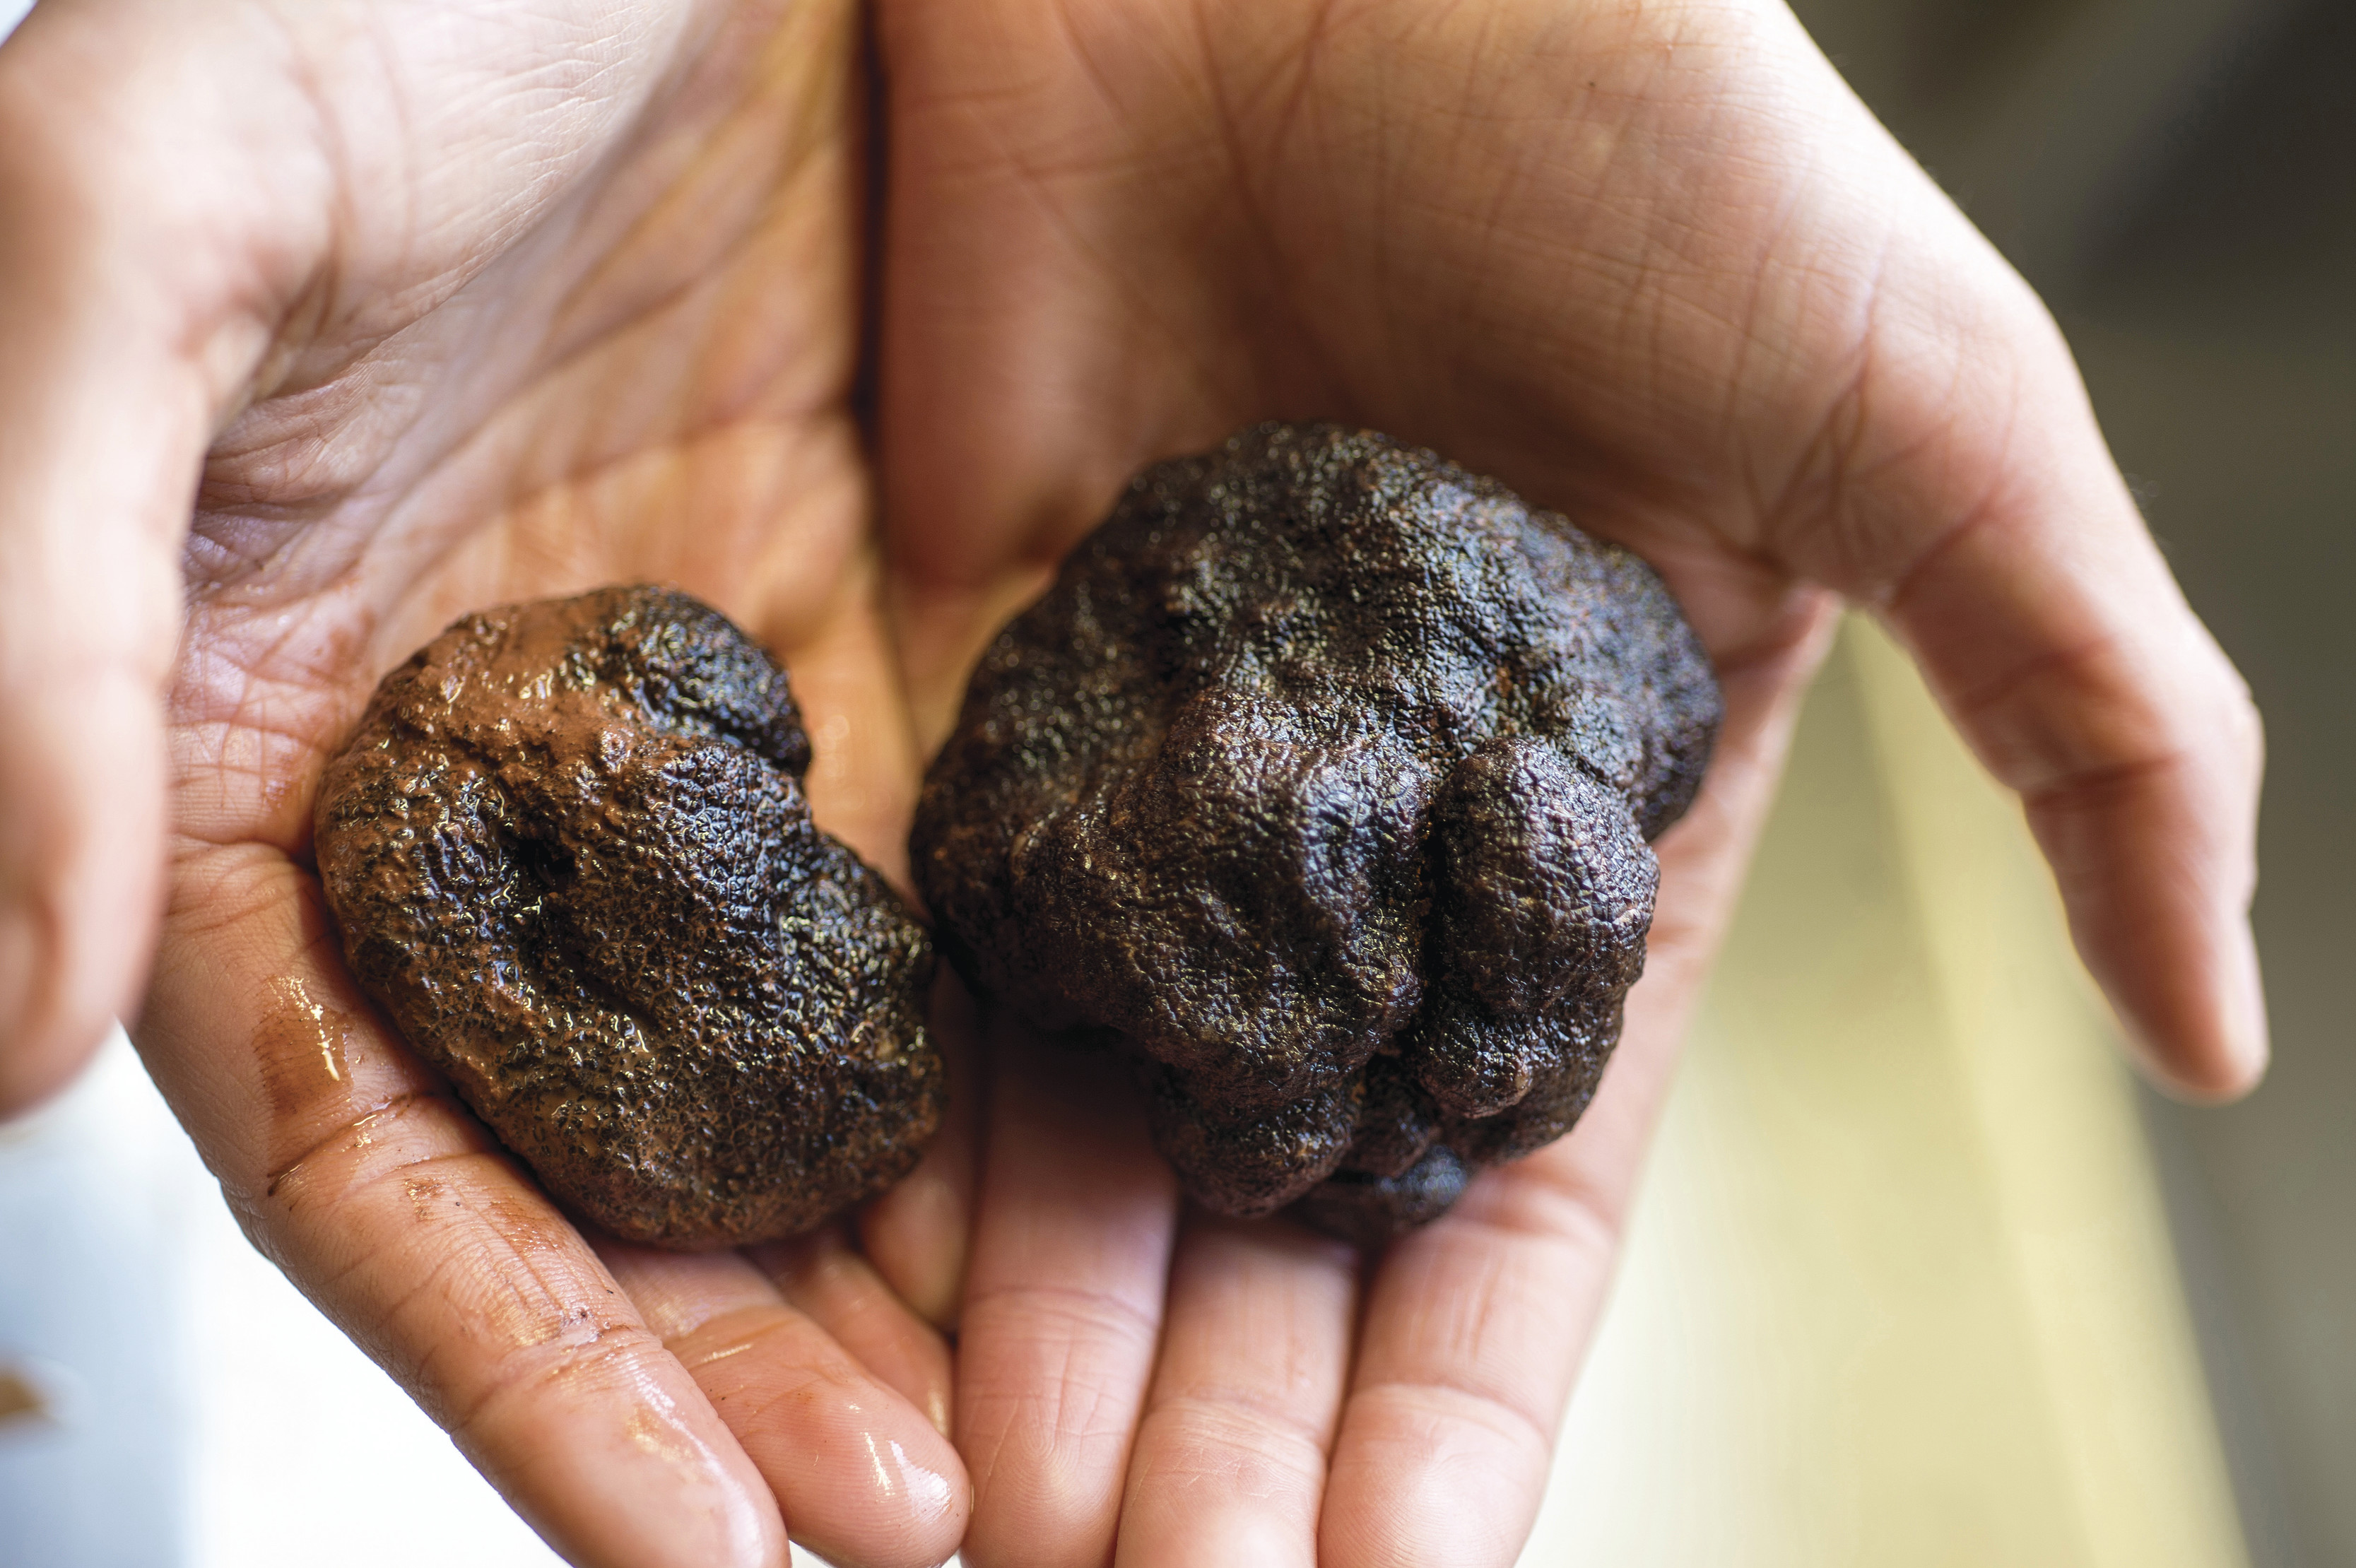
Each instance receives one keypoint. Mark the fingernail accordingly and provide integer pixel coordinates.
(2247, 1037)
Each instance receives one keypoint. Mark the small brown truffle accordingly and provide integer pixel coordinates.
(1320, 782)
(570, 855)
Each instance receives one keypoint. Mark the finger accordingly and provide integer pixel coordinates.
(390, 1208)
(820, 1276)
(1475, 1325)
(864, 1479)
(917, 1234)
(103, 428)
(2053, 633)
(1230, 1460)
(1063, 1306)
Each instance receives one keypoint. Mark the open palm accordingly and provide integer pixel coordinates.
(442, 305)
(494, 307)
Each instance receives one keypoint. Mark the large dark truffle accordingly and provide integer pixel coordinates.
(569, 854)
(1321, 781)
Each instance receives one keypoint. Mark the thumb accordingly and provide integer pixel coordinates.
(103, 425)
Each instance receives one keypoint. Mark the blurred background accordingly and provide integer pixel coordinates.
(1920, 1276)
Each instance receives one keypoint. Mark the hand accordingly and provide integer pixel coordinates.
(1653, 265)
(1702, 305)
(428, 307)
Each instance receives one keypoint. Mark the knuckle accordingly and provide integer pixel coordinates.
(1254, 1446)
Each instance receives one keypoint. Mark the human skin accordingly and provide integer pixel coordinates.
(323, 322)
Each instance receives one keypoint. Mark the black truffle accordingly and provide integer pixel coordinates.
(570, 855)
(1319, 781)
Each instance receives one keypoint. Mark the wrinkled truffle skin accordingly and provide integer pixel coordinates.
(1321, 781)
(570, 855)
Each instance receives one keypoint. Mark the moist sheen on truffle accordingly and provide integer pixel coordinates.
(570, 855)
(1320, 782)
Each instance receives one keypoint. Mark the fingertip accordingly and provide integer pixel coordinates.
(2248, 1037)
(39, 1065)
(81, 828)
(2139, 766)
(665, 1487)
(2221, 1052)
(2156, 880)
(50, 1026)
(862, 1474)
(1430, 1475)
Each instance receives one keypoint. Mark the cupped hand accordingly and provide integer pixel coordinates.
(1652, 264)
(423, 307)
(434, 307)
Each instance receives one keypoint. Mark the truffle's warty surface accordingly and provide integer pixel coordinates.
(571, 856)
(1320, 782)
